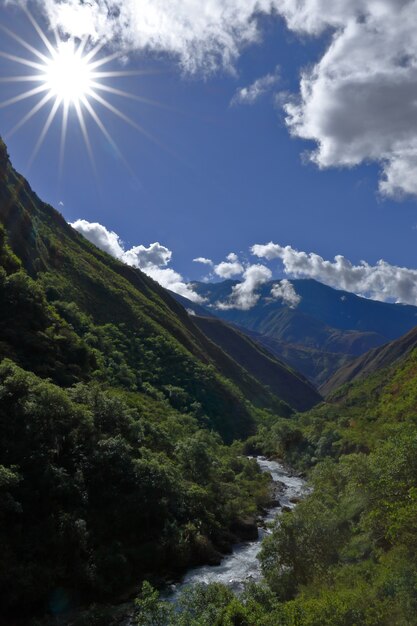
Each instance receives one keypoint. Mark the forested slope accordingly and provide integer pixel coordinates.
(347, 553)
(135, 321)
(284, 382)
(114, 413)
(372, 361)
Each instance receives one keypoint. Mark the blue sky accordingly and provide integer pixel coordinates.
(220, 177)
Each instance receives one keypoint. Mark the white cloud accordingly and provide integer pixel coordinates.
(244, 295)
(229, 268)
(151, 260)
(155, 255)
(357, 102)
(285, 291)
(252, 93)
(104, 239)
(172, 280)
(382, 281)
(202, 35)
(203, 260)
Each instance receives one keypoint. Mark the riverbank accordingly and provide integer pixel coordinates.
(242, 565)
(236, 567)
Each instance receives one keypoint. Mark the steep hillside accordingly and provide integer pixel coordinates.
(262, 365)
(114, 410)
(371, 362)
(359, 449)
(346, 554)
(315, 364)
(153, 337)
(297, 328)
(325, 330)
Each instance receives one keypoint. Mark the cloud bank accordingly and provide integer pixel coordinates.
(357, 103)
(383, 281)
(151, 260)
(202, 36)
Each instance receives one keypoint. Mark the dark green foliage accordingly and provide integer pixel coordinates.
(356, 535)
(89, 502)
(281, 380)
(114, 410)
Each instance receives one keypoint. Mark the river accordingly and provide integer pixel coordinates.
(242, 565)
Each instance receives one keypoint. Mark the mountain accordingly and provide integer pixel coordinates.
(285, 383)
(115, 412)
(324, 332)
(371, 362)
(314, 363)
(78, 280)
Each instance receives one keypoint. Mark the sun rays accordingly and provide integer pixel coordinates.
(69, 75)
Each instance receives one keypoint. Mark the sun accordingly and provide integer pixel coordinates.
(68, 75)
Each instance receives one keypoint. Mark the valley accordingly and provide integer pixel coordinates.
(127, 420)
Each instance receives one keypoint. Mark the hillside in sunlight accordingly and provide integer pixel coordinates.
(372, 361)
(115, 412)
(346, 554)
(359, 449)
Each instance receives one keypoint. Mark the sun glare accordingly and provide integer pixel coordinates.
(68, 75)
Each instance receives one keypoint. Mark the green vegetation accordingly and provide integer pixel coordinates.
(117, 422)
(347, 554)
(280, 379)
(100, 488)
(119, 460)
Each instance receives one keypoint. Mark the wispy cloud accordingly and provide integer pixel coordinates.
(152, 259)
(203, 260)
(284, 291)
(255, 91)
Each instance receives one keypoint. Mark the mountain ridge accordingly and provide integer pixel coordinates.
(327, 330)
(371, 362)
